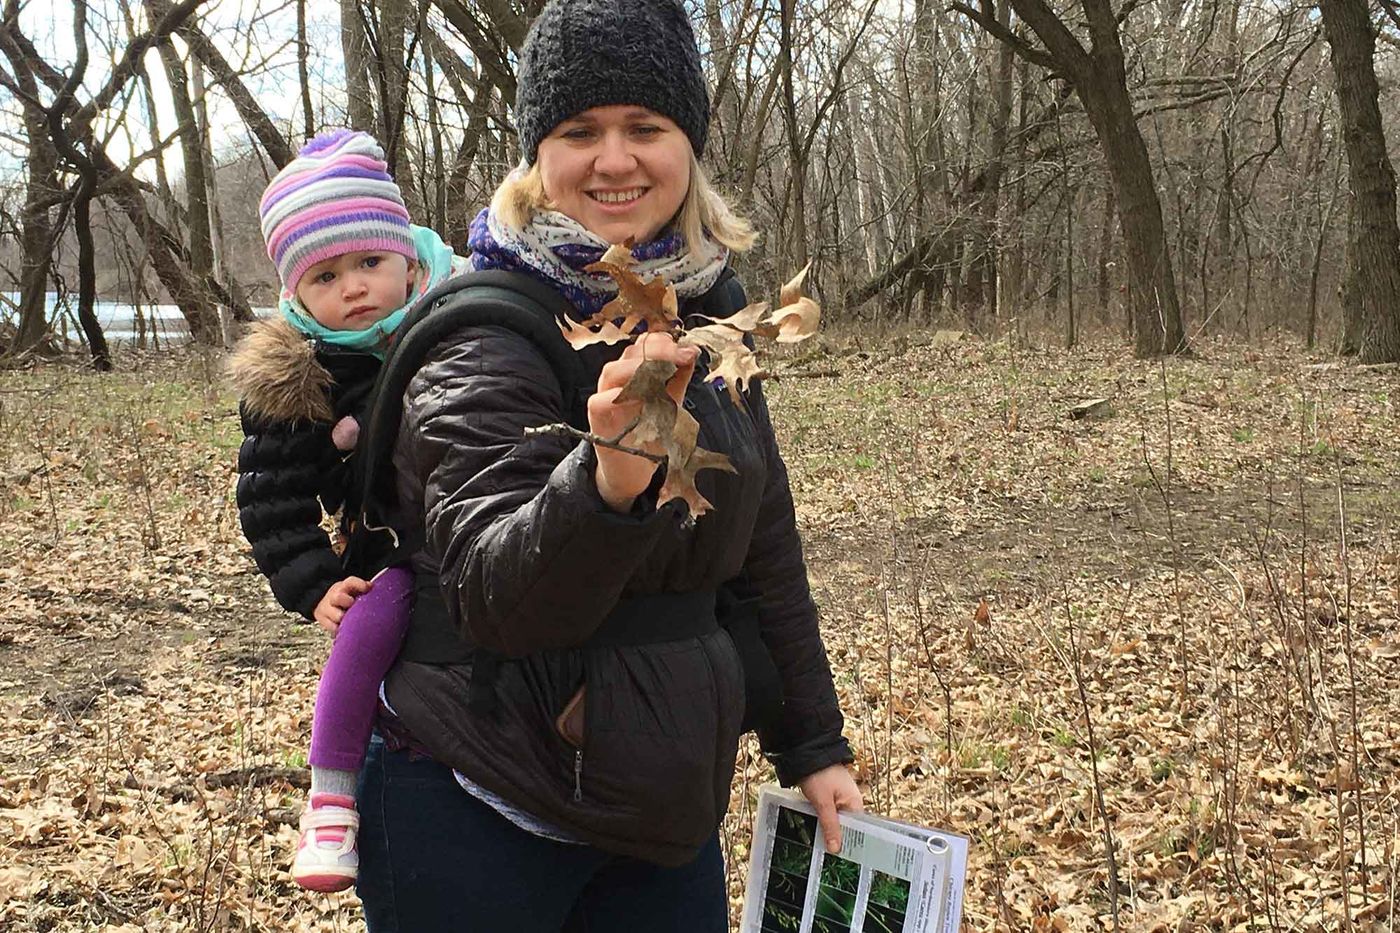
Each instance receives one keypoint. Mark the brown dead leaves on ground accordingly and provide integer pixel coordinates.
(156, 705)
(963, 558)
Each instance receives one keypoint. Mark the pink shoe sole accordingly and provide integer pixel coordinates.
(325, 884)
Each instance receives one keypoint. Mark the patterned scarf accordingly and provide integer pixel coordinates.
(554, 248)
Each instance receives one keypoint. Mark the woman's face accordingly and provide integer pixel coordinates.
(621, 171)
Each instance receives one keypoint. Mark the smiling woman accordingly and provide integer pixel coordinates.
(553, 567)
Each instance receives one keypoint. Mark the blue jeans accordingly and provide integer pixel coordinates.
(434, 859)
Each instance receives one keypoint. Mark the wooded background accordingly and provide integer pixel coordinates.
(1166, 169)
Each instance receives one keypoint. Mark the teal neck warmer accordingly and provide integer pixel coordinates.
(436, 264)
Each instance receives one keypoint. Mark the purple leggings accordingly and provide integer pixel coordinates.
(365, 646)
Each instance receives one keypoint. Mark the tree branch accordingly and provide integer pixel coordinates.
(208, 54)
(131, 59)
(1022, 48)
(1071, 58)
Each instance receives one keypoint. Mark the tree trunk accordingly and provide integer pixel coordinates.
(437, 197)
(1002, 87)
(308, 115)
(1099, 78)
(1105, 252)
(392, 71)
(797, 178)
(355, 46)
(80, 163)
(236, 306)
(1351, 289)
(36, 236)
(1156, 309)
(1375, 246)
(201, 249)
(1071, 321)
(87, 275)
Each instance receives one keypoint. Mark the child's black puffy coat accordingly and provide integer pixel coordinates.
(292, 392)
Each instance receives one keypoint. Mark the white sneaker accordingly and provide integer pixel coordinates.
(326, 858)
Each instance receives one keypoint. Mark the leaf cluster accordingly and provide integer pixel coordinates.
(652, 307)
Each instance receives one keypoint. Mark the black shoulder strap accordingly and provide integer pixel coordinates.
(725, 297)
(488, 298)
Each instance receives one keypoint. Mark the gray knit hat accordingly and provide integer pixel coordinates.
(595, 53)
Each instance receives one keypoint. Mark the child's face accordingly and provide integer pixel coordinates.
(354, 291)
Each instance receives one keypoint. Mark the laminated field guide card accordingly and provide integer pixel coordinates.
(889, 877)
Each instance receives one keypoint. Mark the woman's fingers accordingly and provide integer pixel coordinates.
(621, 476)
(685, 368)
(616, 373)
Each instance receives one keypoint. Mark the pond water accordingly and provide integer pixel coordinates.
(163, 323)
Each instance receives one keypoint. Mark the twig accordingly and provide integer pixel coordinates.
(566, 430)
(1109, 847)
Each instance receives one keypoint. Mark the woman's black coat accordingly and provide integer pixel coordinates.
(531, 562)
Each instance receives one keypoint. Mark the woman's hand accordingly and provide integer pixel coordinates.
(621, 477)
(829, 790)
(340, 597)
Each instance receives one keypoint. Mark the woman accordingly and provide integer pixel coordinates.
(568, 769)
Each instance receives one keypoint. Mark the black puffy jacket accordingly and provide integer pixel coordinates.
(531, 562)
(292, 391)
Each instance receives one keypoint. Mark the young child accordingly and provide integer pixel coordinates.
(351, 265)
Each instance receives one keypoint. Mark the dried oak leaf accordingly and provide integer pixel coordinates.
(684, 460)
(657, 421)
(583, 335)
(620, 254)
(797, 316)
(653, 302)
(730, 359)
(747, 319)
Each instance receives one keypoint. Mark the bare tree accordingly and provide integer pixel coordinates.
(1099, 78)
(1375, 238)
(41, 187)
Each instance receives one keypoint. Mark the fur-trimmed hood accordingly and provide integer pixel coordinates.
(275, 370)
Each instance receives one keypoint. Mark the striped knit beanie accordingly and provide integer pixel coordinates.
(335, 197)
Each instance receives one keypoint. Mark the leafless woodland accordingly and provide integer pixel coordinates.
(1162, 169)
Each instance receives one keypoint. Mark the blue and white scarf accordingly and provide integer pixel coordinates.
(555, 248)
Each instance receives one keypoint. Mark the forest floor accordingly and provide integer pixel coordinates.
(1180, 614)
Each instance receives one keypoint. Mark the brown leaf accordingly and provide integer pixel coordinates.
(736, 370)
(714, 338)
(684, 461)
(684, 434)
(792, 289)
(658, 419)
(797, 321)
(981, 616)
(620, 254)
(797, 315)
(745, 319)
(653, 302)
(730, 359)
(581, 335)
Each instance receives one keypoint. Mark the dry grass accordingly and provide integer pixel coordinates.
(1217, 561)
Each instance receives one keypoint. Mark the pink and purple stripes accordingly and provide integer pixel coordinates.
(335, 197)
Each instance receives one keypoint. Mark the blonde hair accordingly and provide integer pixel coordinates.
(704, 208)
